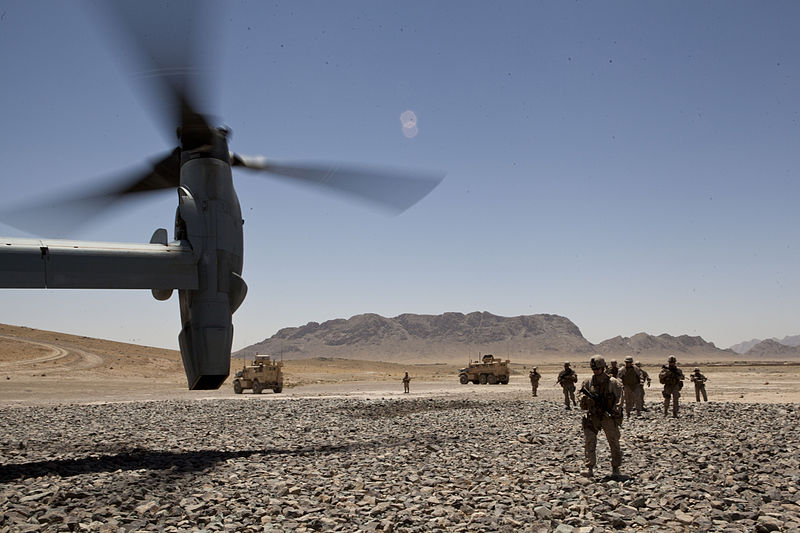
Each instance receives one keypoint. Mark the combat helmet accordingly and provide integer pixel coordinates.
(672, 359)
(629, 359)
(597, 361)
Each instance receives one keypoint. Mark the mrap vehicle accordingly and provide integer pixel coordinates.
(487, 370)
(264, 373)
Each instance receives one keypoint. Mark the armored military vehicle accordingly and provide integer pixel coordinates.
(264, 373)
(487, 370)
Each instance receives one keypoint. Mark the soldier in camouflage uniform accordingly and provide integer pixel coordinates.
(567, 378)
(535, 377)
(406, 383)
(632, 379)
(613, 370)
(646, 377)
(699, 381)
(603, 406)
(672, 378)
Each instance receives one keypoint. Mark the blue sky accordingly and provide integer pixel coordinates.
(633, 166)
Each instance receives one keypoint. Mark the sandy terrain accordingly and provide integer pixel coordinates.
(46, 367)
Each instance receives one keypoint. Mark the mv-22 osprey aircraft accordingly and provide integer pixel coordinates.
(203, 262)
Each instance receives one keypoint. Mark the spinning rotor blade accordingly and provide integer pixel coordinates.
(396, 190)
(168, 41)
(64, 214)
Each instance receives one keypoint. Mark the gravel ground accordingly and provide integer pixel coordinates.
(404, 464)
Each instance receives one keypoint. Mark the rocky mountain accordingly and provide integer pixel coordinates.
(773, 349)
(419, 338)
(661, 345)
(745, 346)
(455, 337)
(793, 340)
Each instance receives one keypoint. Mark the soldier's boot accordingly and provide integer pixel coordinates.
(615, 472)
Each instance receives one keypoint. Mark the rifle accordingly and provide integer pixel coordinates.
(598, 402)
(563, 375)
(677, 376)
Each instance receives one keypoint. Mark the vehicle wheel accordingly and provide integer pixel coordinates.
(492, 379)
(504, 380)
(257, 388)
(237, 387)
(463, 379)
(278, 389)
(482, 379)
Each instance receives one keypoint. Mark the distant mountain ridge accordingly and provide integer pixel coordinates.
(411, 337)
(772, 348)
(642, 343)
(456, 337)
(745, 346)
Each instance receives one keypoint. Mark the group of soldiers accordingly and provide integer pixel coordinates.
(633, 379)
(603, 395)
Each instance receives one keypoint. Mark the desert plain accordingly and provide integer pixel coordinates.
(47, 367)
(104, 436)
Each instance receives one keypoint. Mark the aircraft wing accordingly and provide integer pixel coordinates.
(65, 264)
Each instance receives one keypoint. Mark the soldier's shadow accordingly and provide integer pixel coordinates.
(621, 478)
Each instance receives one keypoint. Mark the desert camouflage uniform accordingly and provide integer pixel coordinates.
(613, 370)
(406, 383)
(631, 378)
(597, 418)
(672, 378)
(567, 378)
(645, 377)
(699, 381)
(535, 377)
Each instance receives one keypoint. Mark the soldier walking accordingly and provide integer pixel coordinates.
(406, 382)
(613, 370)
(646, 377)
(699, 381)
(567, 378)
(602, 400)
(535, 377)
(632, 379)
(672, 378)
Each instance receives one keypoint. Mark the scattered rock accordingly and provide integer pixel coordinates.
(420, 464)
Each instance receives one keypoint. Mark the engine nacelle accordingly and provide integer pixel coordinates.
(209, 218)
